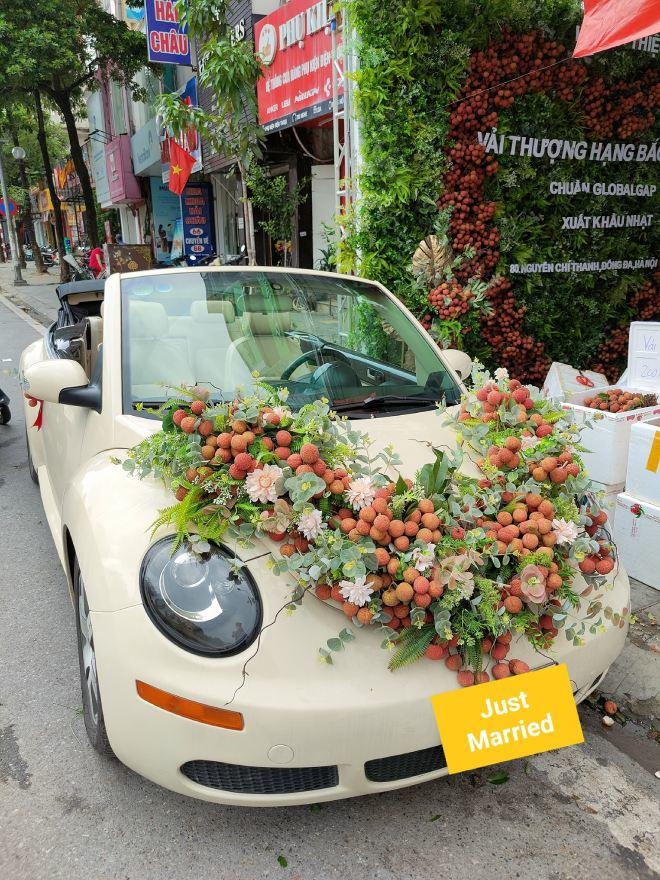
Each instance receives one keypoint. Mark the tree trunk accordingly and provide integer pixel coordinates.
(27, 212)
(248, 218)
(48, 170)
(63, 101)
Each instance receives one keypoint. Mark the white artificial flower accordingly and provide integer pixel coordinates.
(423, 557)
(266, 484)
(466, 588)
(529, 442)
(501, 373)
(311, 523)
(566, 532)
(358, 592)
(361, 492)
(283, 393)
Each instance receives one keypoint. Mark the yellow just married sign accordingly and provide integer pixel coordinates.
(506, 719)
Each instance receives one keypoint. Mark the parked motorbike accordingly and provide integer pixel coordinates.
(79, 271)
(48, 255)
(5, 413)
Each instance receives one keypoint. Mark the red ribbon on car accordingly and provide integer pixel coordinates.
(34, 401)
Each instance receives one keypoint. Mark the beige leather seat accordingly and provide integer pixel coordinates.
(264, 347)
(94, 340)
(212, 325)
(157, 361)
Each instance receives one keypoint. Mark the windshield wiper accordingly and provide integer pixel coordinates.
(386, 400)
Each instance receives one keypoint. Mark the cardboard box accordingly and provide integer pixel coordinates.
(607, 496)
(608, 439)
(643, 473)
(637, 538)
(564, 382)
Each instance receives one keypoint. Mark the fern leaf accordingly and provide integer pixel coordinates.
(411, 646)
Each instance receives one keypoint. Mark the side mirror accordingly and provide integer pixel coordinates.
(61, 381)
(459, 361)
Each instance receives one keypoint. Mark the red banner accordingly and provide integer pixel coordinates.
(295, 47)
(610, 23)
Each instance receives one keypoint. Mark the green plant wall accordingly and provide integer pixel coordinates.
(420, 63)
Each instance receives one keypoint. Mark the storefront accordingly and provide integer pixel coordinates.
(295, 109)
(124, 189)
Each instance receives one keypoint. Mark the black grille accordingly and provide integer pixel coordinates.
(259, 780)
(403, 766)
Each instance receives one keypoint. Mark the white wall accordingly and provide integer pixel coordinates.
(323, 206)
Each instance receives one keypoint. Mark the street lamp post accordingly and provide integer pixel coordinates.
(18, 278)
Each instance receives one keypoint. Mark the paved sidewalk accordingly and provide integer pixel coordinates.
(38, 297)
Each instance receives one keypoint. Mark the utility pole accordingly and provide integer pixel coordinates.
(18, 278)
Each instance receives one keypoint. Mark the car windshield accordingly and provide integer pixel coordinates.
(317, 335)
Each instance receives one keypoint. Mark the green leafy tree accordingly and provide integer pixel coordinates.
(56, 48)
(19, 125)
(278, 202)
(230, 70)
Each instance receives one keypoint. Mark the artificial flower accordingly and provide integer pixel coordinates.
(278, 519)
(423, 557)
(266, 484)
(454, 574)
(358, 591)
(501, 373)
(310, 523)
(529, 442)
(361, 492)
(566, 532)
(533, 584)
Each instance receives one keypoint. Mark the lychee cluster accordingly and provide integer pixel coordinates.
(450, 300)
(523, 526)
(616, 400)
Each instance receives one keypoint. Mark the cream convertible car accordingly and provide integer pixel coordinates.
(157, 675)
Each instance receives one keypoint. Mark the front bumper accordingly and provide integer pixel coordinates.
(333, 721)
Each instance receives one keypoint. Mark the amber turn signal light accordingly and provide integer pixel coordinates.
(189, 708)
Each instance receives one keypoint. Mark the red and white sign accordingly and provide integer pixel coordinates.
(294, 44)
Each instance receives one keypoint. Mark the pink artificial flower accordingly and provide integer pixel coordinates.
(361, 492)
(566, 531)
(266, 484)
(533, 584)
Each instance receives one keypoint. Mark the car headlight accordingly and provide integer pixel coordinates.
(200, 601)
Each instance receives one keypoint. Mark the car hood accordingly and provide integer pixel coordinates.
(412, 436)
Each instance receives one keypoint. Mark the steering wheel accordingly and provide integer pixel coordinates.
(311, 357)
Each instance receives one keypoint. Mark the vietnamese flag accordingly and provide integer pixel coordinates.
(181, 165)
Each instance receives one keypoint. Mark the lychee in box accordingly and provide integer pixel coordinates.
(637, 538)
(643, 474)
(563, 382)
(608, 438)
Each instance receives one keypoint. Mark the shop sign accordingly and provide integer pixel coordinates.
(96, 148)
(145, 148)
(294, 44)
(122, 183)
(167, 40)
(190, 141)
(166, 211)
(198, 239)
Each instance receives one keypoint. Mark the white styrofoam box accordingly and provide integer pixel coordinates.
(609, 438)
(643, 474)
(563, 381)
(637, 538)
(607, 495)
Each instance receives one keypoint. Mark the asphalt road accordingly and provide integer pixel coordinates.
(584, 812)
